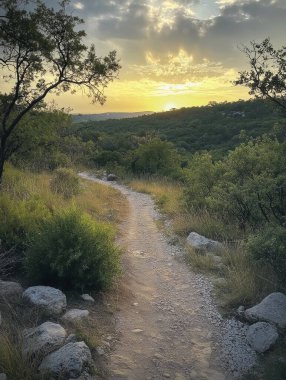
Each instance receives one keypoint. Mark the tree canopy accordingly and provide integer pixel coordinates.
(42, 51)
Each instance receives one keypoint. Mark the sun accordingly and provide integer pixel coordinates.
(169, 106)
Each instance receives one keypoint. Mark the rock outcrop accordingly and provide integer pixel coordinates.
(52, 301)
(271, 309)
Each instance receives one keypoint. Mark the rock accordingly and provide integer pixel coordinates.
(271, 309)
(10, 290)
(202, 243)
(43, 339)
(87, 298)
(69, 361)
(3, 376)
(85, 376)
(71, 339)
(100, 351)
(240, 311)
(75, 315)
(261, 336)
(111, 177)
(50, 300)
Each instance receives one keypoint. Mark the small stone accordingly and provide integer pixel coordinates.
(137, 331)
(135, 304)
(87, 298)
(167, 375)
(100, 351)
(75, 315)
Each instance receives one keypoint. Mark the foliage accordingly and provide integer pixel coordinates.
(155, 157)
(214, 128)
(74, 252)
(20, 219)
(42, 49)
(269, 246)
(267, 75)
(65, 182)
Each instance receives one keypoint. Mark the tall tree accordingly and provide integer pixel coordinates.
(266, 77)
(42, 51)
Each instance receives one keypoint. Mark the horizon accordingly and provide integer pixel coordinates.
(174, 53)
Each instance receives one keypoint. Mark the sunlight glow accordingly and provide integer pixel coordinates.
(169, 106)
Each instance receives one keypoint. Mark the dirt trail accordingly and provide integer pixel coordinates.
(167, 323)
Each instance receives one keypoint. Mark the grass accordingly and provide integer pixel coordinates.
(104, 203)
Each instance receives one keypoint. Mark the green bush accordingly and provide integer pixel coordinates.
(73, 251)
(270, 246)
(19, 219)
(65, 182)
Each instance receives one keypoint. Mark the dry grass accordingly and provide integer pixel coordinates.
(200, 260)
(102, 202)
(245, 281)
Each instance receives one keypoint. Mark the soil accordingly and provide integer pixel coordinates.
(167, 324)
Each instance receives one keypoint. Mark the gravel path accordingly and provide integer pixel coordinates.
(168, 324)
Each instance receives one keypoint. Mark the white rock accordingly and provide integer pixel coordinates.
(202, 243)
(3, 376)
(69, 361)
(87, 298)
(10, 290)
(261, 336)
(43, 339)
(271, 309)
(51, 300)
(75, 315)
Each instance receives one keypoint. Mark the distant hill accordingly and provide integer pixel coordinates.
(107, 116)
(216, 127)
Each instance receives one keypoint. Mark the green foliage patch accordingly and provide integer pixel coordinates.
(73, 251)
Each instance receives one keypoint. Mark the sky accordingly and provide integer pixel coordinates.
(174, 53)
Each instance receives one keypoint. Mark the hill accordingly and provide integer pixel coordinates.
(107, 116)
(216, 127)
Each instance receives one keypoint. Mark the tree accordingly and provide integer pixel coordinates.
(42, 51)
(267, 75)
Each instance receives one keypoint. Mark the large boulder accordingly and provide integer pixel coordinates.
(200, 242)
(42, 340)
(69, 361)
(271, 309)
(261, 336)
(75, 315)
(10, 291)
(52, 301)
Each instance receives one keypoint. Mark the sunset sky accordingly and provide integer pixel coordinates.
(174, 53)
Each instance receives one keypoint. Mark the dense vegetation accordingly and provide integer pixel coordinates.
(216, 127)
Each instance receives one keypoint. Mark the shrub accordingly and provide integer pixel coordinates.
(20, 219)
(270, 246)
(65, 182)
(73, 251)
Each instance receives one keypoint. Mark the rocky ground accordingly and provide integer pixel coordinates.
(168, 323)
